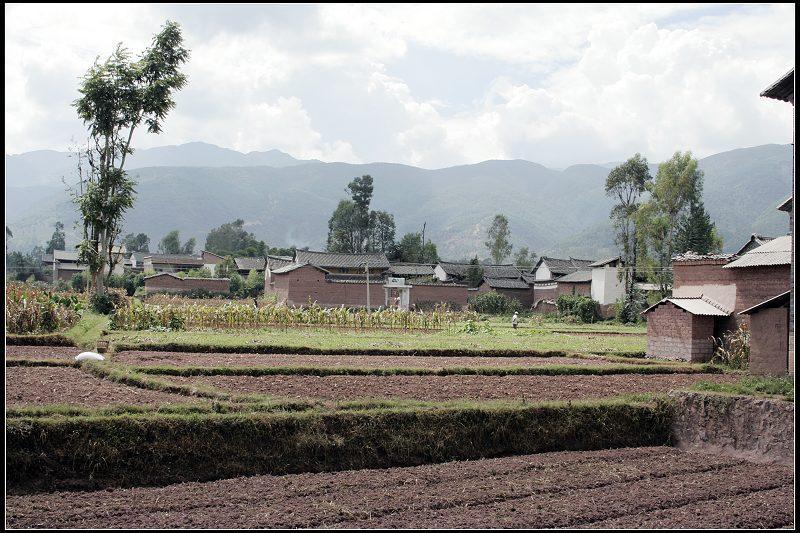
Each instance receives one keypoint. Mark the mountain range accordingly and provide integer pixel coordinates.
(197, 186)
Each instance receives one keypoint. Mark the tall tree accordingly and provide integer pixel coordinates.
(697, 233)
(627, 182)
(232, 239)
(136, 242)
(352, 226)
(678, 183)
(382, 231)
(57, 241)
(343, 229)
(171, 244)
(498, 239)
(118, 96)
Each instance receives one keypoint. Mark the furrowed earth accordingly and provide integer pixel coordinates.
(633, 487)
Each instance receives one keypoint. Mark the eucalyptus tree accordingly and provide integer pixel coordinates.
(118, 96)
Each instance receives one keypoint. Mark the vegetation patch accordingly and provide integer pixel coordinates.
(774, 387)
(41, 362)
(121, 450)
(44, 339)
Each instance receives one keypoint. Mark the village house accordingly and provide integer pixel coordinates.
(516, 288)
(167, 282)
(713, 294)
(65, 263)
(783, 90)
(245, 264)
(336, 279)
(171, 263)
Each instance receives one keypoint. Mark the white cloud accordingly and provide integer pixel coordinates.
(572, 83)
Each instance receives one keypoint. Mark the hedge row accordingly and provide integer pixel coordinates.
(306, 350)
(44, 339)
(95, 452)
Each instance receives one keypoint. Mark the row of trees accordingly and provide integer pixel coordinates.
(657, 218)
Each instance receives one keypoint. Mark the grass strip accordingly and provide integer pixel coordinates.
(157, 449)
(548, 370)
(766, 387)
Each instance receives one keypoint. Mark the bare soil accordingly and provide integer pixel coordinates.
(35, 353)
(140, 358)
(633, 487)
(453, 387)
(29, 386)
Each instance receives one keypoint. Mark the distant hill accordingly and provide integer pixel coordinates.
(289, 202)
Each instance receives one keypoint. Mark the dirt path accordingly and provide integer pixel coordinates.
(42, 352)
(351, 361)
(634, 487)
(32, 386)
(453, 387)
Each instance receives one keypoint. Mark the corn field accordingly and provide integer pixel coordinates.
(31, 309)
(141, 316)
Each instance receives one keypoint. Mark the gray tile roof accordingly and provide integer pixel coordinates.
(411, 269)
(697, 306)
(605, 261)
(560, 267)
(294, 266)
(776, 252)
(337, 260)
(754, 242)
(690, 256)
(459, 270)
(506, 283)
(249, 263)
(782, 89)
(579, 276)
(174, 259)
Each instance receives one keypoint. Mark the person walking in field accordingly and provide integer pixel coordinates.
(514, 320)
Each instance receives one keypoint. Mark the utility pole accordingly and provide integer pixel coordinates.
(366, 267)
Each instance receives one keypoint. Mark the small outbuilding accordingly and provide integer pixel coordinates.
(769, 336)
(683, 328)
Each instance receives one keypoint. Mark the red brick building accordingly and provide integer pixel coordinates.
(168, 282)
(710, 296)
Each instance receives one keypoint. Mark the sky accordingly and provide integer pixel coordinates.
(426, 85)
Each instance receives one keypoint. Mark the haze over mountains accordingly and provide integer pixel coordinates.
(197, 186)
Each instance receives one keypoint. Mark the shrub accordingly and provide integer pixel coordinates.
(733, 349)
(79, 282)
(630, 306)
(494, 303)
(577, 307)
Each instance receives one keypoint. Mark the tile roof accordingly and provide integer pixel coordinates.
(174, 259)
(564, 266)
(506, 283)
(249, 263)
(605, 261)
(338, 260)
(459, 270)
(776, 252)
(786, 205)
(180, 278)
(697, 306)
(279, 261)
(294, 266)
(579, 276)
(690, 256)
(783, 89)
(754, 242)
(411, 269)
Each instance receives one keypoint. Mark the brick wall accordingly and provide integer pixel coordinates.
(677, 334)
(540, 293)
(174, 284)
(523, 296)
(769, 341)
(756, 284)
(455, 294)
(574, 288)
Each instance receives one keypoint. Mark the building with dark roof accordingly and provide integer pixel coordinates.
(342, 263)
(551, 268)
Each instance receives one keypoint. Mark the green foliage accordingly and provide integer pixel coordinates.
(498, 242)
(102, 303)
(136, 242)
(79, 281)
(171, 244)
(577, 307)
(129, 281)
(254, 284)
(474, 275)
(20, 267)
(471, 327)
(57, 241)
(33, 310)
(237, 284)
(525, 257)
(697, 233)
(494, 303)
(630, 306)
(117, 96)
(226, 268)
(781, 387)
(232, 239)
(411, 250)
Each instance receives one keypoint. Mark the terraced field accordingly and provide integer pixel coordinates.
(626, 488)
